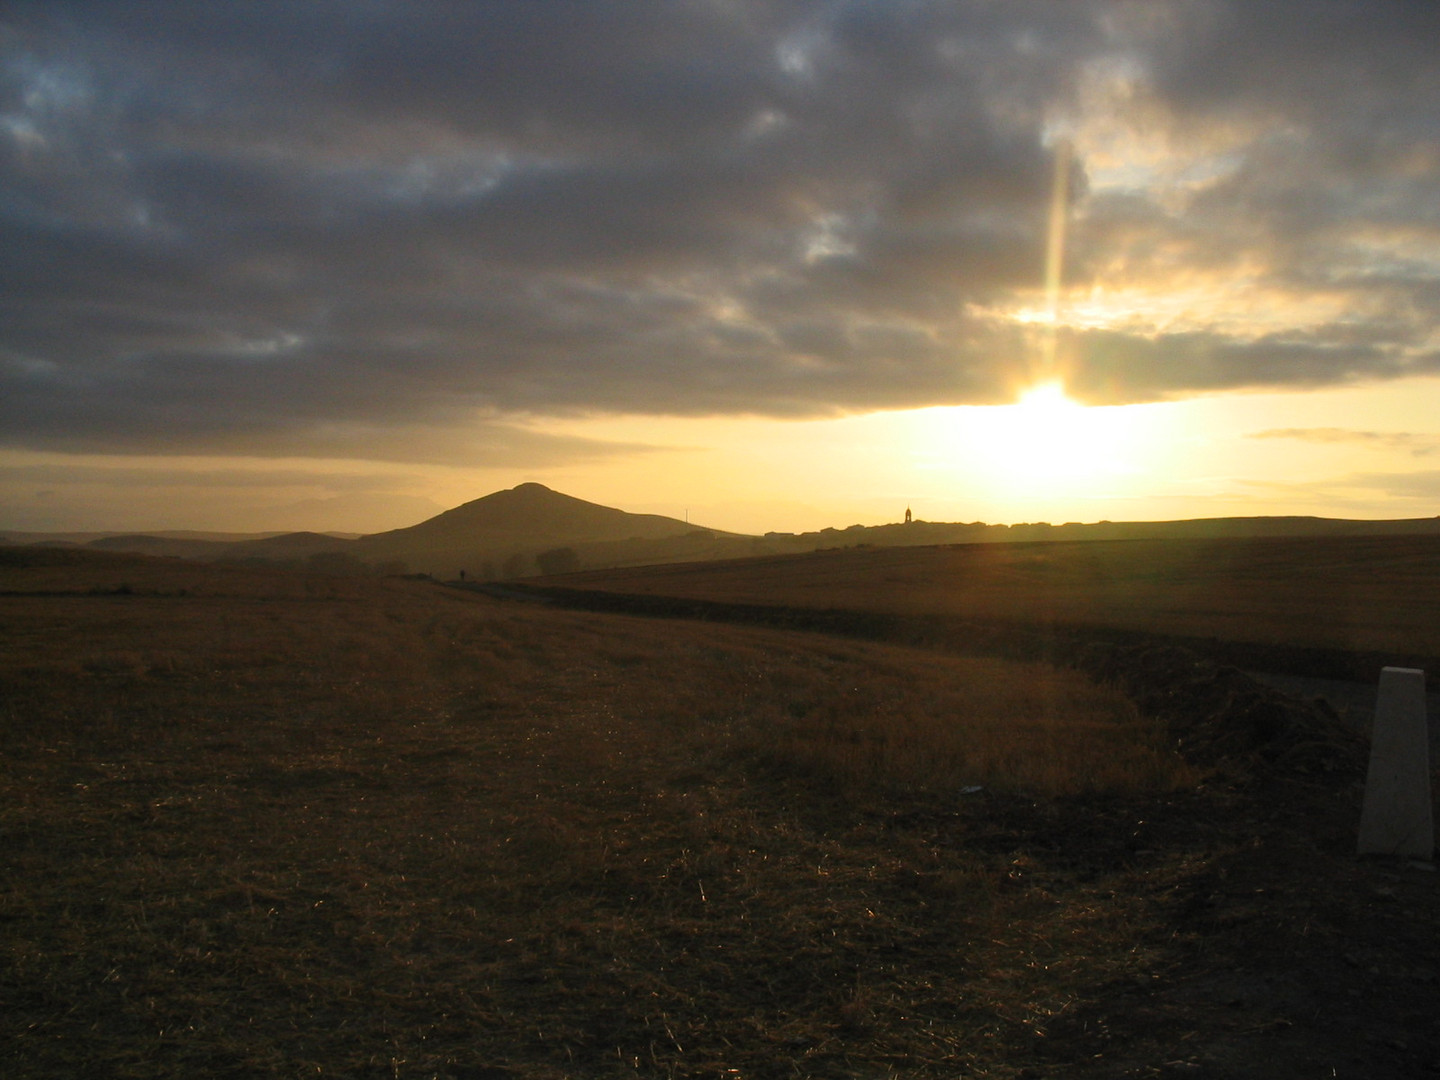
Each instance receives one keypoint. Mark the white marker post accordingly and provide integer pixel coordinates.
(1396, 817)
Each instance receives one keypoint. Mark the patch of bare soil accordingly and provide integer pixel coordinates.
(1270, 951)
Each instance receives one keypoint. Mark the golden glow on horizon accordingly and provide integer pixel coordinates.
(1058, 461)
(1371, 453)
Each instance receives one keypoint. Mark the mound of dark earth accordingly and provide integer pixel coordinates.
(1221, 716)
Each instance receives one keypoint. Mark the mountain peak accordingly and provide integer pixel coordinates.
(529, 490)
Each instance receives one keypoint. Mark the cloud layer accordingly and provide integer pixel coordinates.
(237, 226)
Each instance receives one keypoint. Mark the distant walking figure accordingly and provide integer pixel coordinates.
(907, 515)
(462, 575)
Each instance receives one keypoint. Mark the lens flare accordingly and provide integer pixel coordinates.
(1055, 255)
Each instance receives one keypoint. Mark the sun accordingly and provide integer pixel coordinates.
(1047, 399)
(1046, 441)
(1045, 434)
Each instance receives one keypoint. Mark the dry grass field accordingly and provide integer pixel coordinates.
(1371, 594)
(268, 824)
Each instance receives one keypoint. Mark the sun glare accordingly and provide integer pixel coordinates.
(1046, 435)
(1048, 398)
(1045, 444)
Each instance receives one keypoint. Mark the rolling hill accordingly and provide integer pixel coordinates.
(513, 526)
(519, 515)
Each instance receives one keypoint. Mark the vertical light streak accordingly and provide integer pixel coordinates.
(1055, 255)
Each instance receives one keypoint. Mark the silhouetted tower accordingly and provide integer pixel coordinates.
(907, 515)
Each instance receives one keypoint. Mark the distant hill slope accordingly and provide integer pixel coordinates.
(264, 547)
(145, 544)
(296, 545)
(519, 521)
(200, 546)
(11, 536)
(525, 512)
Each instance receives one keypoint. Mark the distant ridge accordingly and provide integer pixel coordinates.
(1231, 528)
(508, 533)
(15, 536)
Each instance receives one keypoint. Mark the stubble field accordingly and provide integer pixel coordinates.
(278, 825)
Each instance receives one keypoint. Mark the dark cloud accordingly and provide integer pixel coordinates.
(458, 443)
(231, 226)
(1119, 367)
(137, 476)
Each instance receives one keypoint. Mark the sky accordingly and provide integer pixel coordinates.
(764, 264)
